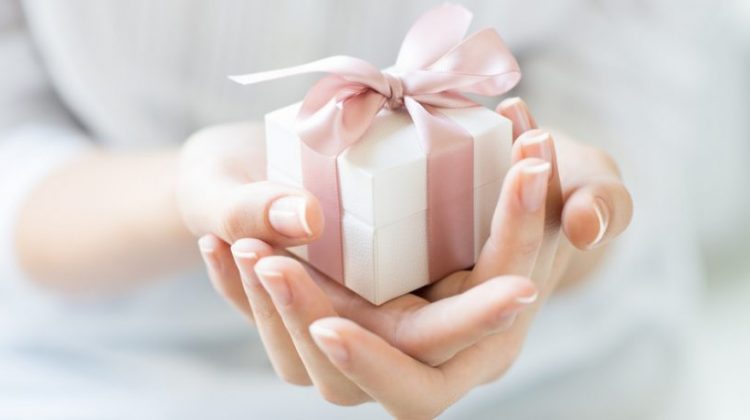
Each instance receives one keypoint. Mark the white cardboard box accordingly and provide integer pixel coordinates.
(383, 180)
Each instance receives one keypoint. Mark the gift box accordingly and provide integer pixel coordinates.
(407, 168)
(383, 185)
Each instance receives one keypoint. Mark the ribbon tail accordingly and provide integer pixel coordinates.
(320, 177)
(352, 69)
(450, 190)
(322, 142)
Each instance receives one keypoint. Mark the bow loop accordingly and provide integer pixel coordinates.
(432, 35)
(436, 66)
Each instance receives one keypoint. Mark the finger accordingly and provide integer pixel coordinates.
(273, 333)
(517, 226)
(405, 387)
(596, 213)
(537, 143)
(300, 302)
(224, 193)
(272, 212)
(433, 332)
(223, 273)
(436, 332)
(516, 110)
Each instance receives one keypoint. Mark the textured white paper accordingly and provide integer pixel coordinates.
(382, 181)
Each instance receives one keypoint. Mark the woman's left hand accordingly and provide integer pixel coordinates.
(418, 354)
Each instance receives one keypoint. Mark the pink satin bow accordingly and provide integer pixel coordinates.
(435, 67)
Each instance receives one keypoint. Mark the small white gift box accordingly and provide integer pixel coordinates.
(406, 166)
(383, 193)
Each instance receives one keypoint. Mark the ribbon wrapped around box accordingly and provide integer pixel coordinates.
(407, 168)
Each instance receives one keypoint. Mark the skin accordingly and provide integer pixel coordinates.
(460, 332)
(119, 218)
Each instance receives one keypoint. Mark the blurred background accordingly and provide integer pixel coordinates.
(722, 337)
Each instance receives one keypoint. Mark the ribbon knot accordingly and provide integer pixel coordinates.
(395, 99)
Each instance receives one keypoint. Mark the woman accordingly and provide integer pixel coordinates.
(100, 208)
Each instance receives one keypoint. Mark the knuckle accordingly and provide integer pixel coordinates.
(518, 245)
(527, 246)
(251, 285)
(426, 352)
(264, 313)
(298, 332)
(235, 221)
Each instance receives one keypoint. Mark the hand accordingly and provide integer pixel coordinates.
(221, 190)
(457, 334)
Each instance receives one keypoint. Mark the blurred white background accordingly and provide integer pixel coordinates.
(721, 380)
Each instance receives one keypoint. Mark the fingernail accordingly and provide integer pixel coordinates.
(518, 112)
(521, 112)
(275, 283)
(241, 249)
(538, 146)
(602, 215)
(508, 317)
(330, 342)
(207, 245)
(288, 216)
(527, 300)
(534, 186)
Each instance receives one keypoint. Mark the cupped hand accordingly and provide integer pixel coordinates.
(222, 190)
(419, 353)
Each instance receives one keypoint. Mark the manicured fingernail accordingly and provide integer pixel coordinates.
(509, 317)
(538, 146)
(288, 216)
(242, 249)
(527, 300)
(534, 186)
(207, 245)
(276, 285)
(602, 216)
(518, 112)
(330, 342)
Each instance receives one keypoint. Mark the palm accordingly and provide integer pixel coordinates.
(416, 323)
(463, 330)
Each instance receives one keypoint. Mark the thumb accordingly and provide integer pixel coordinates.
(275, 213)
(220, 190)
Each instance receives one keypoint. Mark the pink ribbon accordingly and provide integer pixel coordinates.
(435, 67)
